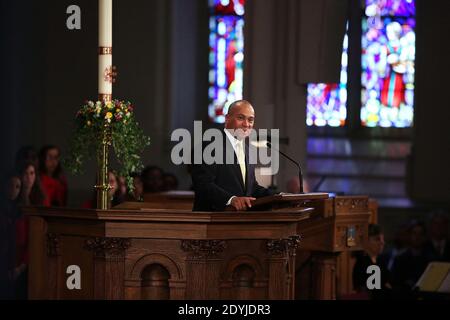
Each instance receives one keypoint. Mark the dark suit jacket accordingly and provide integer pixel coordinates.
(435, 255)
(215, 184)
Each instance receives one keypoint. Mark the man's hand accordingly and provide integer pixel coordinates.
(242, 203)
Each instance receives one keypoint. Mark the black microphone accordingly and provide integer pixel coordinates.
(300, 174)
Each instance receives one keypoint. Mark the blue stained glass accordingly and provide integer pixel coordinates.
(226, 45)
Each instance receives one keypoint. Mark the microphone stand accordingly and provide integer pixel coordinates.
(300, 173)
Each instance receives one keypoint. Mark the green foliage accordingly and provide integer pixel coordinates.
(124, 134)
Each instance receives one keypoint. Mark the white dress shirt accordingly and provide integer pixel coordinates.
(235, 143)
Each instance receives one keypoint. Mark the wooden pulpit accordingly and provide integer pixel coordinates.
(162, 254)
(337, 227)
(298, 247)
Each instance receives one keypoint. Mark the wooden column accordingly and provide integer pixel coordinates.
(54, 265)
(37, 275)
(324, 275)
(293, 243)
(203, 268)
(278, 267)
(109, 266)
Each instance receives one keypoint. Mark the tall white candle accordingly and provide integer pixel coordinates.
(105, 23)
(105, 49)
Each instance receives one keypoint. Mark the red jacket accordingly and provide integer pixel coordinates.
(55, 189)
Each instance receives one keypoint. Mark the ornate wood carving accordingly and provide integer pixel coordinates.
(203, 248)
(352, 204)
(281, 246)
(293, 242)
(53, 242)
(103, 247)
(276, 247)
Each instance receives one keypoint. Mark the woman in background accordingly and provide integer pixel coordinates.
(113, 193)
(9, 213)
(53, 180)
(31, 194)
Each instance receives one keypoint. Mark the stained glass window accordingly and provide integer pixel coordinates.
(327, 102)
(388, 54)
(226, 56)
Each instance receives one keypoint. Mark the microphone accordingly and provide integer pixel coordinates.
(300, 174)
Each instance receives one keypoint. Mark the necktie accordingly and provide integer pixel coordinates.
(241, 158)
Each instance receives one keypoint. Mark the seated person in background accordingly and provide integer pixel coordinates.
(170, 182)
(31, 193)
(371, 256)
(122, 189)
(9, 213)
(24, 155)
(137, 193)
(438, 244)
(409, 266)
(112, 180)
(401, 243)
(152, 179)
(52, 177)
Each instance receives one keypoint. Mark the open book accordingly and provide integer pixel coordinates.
(436, 278)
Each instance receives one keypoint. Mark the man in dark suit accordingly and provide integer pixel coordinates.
(438, 244)
(219, 185)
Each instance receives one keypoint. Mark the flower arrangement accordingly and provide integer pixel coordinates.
(110, 122)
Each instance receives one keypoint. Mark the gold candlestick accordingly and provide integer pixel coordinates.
(105, 80)
(103, 198)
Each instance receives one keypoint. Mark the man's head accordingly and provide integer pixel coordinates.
(438, 225)
(152, 179)
(240, 117)
(375, 245)
(417, 234)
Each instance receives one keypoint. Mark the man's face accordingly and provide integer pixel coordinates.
(417, 237)
(376, 244)
(242, 117)
(439, 228)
